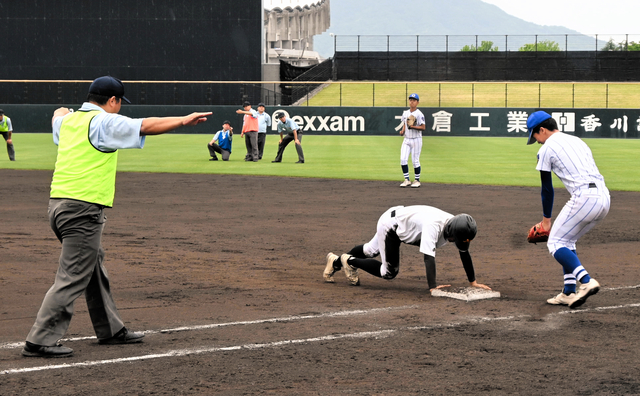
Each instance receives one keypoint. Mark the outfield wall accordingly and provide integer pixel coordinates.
(456, 121)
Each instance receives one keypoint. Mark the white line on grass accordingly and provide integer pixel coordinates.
(368, 334)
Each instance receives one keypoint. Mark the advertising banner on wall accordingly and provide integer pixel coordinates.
(452, 121)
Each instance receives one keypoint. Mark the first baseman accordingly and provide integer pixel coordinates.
(412, 126)
(83, 186)
(571, 160)
(419, 225)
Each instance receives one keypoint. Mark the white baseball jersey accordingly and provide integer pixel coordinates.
(572, 161)
(415, 225)
(412, 133)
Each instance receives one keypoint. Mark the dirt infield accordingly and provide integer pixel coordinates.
(225, 275)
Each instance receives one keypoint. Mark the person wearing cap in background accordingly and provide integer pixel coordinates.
(572, 161)
(250, 128)
(83, 186)
(6, 129)
(293, 134)
(264, 121)
(419, 225)
(412, 126)
(224, 138)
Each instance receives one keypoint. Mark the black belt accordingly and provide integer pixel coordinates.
(592, 185)
(393, 213)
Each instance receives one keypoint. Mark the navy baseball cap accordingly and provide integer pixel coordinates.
(108, 86)
(414, 96)
(226, 122)
(533, 121)
(260, 104)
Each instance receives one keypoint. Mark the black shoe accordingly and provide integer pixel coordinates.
(33, 350)
(300, 162)
(213, 159)
(124, 336)
(274, 161)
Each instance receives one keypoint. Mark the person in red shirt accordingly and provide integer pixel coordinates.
(250, 128)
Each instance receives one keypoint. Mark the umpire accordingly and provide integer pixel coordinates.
(294, 134)
(83, 186)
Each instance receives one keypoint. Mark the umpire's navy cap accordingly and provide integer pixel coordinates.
(414, 96)
(260, 104)
(108, 86)
(533, 121)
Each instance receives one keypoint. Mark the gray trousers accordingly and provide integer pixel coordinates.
(10, 150)
(251, 141)
(285, 141)
(78, 225)
(214, 148)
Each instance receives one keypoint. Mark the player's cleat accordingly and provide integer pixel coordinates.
(563, 299)
(349, 271)
(213, 159)
(584, 291)
(415, 184)
(329, 270)
(405, 183)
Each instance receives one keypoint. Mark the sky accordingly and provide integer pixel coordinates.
(591, 17)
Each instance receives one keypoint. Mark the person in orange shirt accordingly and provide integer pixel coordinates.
(250, 128)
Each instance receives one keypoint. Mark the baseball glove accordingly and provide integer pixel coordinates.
(411, 121)
(537, 234)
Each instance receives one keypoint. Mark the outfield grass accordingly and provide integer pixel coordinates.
(499, 94)
(458, 160)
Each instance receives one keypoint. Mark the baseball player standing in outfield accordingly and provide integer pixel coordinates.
(412, 126)
(224, 137)
(83, 185)
(419, 225)
(264, 121)
(571, 160)
(293, 134)
(6, 129)
(250, 128)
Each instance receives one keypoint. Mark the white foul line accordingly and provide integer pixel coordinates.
(241, 323)
(368, 334)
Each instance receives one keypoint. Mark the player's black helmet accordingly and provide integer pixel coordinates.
(463, 229)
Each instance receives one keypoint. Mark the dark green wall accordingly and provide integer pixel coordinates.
(613, 123)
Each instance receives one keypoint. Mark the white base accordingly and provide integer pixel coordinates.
(465, 293)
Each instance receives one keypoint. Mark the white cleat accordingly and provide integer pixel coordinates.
(349, 271)
(415, 184)
(405, 183)
(329, 270)
(584, 291)
(563, 299)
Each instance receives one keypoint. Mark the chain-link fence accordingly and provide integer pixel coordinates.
(482, 43)
(327, 93)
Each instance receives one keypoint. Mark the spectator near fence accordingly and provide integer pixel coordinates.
(6, 129)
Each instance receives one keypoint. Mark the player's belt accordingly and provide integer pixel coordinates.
(393, 213)
(592, 185)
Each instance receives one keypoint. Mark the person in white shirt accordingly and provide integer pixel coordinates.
(413, 124)
(264, 121)
(572, 161)
(419, 225)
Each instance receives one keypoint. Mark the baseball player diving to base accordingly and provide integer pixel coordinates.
(419, 225)
(572, 161)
